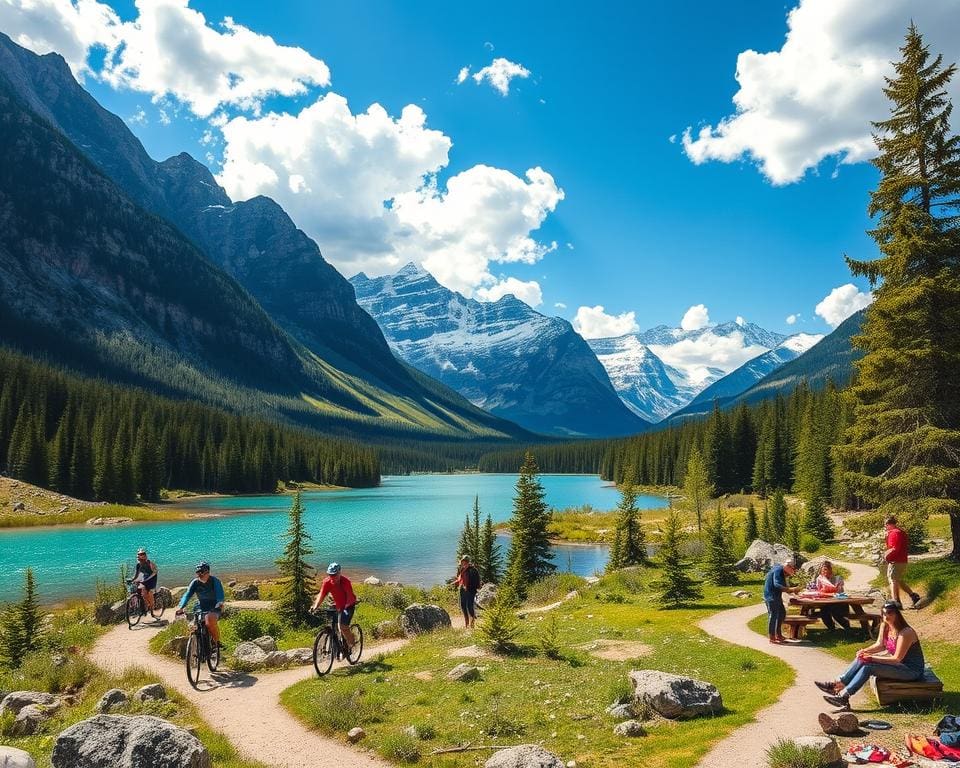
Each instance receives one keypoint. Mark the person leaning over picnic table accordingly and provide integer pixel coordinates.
(773, 588)
(898, 544)
(829, 584)
(896, 655)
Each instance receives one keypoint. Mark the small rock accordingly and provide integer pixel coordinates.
(372, 581)
(112, 698)
(266, 642)
(524, 756)
(152, 692)
(63, 510)
(631, 728)
(19, 507)
(17, 700)
(11, 757)
(393, 584)
(300, 655)
(355, 734)
(31, 718)
(246, 592)
(464, 673)
(741, 593)
(232, 583)
(571, 764)
(620, 711)
(175, 646)
(829, 750)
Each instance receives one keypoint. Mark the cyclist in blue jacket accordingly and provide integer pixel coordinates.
(210, 595)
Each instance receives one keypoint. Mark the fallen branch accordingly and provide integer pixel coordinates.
(467, 748)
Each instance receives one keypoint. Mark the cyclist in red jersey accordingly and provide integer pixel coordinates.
(340, 589)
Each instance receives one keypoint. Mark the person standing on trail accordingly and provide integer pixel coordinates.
(773, 588)
(468, 581)
(898, 544)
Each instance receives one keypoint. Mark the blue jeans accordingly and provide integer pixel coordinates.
(858, 674)
(777, 612)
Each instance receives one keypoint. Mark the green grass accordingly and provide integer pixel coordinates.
(80, 516)
(532, 698)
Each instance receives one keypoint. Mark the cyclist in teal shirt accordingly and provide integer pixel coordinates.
(210, 596)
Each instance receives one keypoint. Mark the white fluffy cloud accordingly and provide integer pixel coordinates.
(498, 73)
(528, 292)
(815, 97)
(559, 305)
(842, 302)
(364, 186)
(792, 319)
(695, 356)
(695, 318)
(167, 50)
(595, 323)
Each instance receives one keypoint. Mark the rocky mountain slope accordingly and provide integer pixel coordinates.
(502, 356)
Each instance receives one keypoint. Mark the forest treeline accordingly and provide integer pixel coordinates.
(95, 440)
(783, 443)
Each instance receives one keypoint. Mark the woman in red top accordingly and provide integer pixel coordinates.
(340, 589)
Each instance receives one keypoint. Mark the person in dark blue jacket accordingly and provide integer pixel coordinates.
(210, 596)
(773, 588)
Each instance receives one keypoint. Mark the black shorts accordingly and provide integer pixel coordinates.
(346, 615)
(467, 598)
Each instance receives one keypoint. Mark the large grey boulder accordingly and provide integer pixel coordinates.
(828, 748)
(674, 696)
(105, 615)
(266, 642)
(114, 741)
(524, 756)
(419, 618)
(486, 596)
(17, 700)
(30, 719)
(112, 698)
(11, 757)
(249, 653)
(299, 655)
(762, 555)
(246, 592)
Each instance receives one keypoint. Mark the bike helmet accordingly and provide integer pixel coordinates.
(141, 551)
(203, 567)
(333, 569)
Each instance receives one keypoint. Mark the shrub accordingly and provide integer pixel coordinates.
(425, 731)
(337, 711)
(249, 625)
(867, 522)
(551, 588)
(401, 747)
(809, 544)
(39, 672)
(787, 754)
(548, 639)
(499, 628)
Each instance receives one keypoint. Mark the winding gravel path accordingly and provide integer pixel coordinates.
(795, 713)
(244, 708)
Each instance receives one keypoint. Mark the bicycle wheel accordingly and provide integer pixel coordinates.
(193, 659)
(132, 608)
(353, 656)
(213, 654)
(158, 606)
(323, 652)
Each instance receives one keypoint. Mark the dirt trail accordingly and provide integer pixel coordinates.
(795, 713)
(244, 708)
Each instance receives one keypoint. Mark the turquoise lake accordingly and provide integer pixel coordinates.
(404, 530)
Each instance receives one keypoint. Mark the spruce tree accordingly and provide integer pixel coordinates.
(675, 588)
(530, 557)
(629, 541)
(490, 556)
(778, 516)
(903, 444)
(297, 575)
(697, 488)
(816, 521)
(766, 531)
(20, 628)
(719, 559)
(750, 530)
(718, 454)
(465, 542)
(792, 535)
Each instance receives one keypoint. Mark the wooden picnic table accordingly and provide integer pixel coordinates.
(809, 606)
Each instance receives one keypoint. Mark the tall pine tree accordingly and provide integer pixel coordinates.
(902, 448)
(530, 557)
(675, 587)
(719, 558)
(297, 575)
(629, 545)
(697, 488)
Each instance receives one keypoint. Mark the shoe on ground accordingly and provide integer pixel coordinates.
(830, 687)
(776, 640)
(841, 702)
(828, 725)
(915, 599)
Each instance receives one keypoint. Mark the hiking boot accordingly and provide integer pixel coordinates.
(776, 640)
(832, 688)
(915, 598)
(841, 702)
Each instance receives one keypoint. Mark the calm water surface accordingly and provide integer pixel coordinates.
(405, 530)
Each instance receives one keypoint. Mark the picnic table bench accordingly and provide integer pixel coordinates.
(927, 688)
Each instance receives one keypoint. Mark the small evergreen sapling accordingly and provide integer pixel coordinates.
(676, 587)
(629, 546)
(719, 557)
(750, 530)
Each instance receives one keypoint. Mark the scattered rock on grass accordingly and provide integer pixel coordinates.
(620, 711)
(372, 581)
(524, 756)
(419, 618)
(674, 696)
(246, 592)
(486, 596)
(829, 750)
(630, 728)
(266, 643)
(30, 719)
(112, 698)
(299, 655)
(355, 734)
(17, 700)
(153, 692)
(464, 673)
(10, 757)
(249, 653)
(128, 742)
(105, 615)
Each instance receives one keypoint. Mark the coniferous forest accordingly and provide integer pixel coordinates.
(94, 440)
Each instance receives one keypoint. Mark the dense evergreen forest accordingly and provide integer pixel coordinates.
(95, 440)
(782, 443)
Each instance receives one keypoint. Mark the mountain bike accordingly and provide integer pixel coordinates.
(329, 645)
(200, 648)
(136, 607)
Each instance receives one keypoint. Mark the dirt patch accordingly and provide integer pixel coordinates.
(469, 652)
(931, 625)
(616, 650)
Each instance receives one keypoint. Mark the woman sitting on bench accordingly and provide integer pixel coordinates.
(896, 655)
(828, 584)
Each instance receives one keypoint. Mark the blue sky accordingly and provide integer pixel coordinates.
(751, 219)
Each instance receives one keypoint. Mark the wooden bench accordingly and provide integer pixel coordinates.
(869, 621)
(928, 688)
(797, 624)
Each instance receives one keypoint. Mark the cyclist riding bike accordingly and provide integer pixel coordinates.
(210, 596)
(340, 589)
(145, 574)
